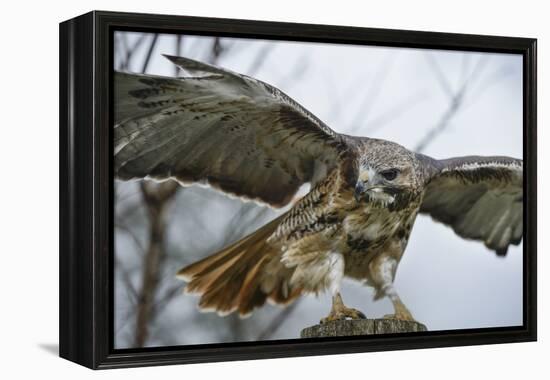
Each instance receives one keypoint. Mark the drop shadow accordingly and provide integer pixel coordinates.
(52, 348)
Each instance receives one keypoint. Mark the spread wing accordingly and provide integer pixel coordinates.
(216, 127)
(481, 198)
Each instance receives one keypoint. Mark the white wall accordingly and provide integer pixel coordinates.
(29, 202)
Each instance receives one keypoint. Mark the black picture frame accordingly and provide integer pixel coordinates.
(86, 189)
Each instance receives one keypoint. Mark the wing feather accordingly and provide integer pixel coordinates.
(233, 132)
(481, 198)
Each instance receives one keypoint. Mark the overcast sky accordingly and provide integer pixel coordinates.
(399, 95)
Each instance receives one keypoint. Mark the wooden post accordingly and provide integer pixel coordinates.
(361, 327)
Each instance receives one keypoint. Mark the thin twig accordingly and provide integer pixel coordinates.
(216, 50)
(260, 59)
(157, 198)
(122, 41)
(131, 50)
(149, 53)
(134, 237)
(441, 78)
(396, 111)
(298, 70)
(127, 281)
(161, 304)
(464, 66)
(455, 104)
(277, 322)
(372, 94)
(490, 81)
(179, 39)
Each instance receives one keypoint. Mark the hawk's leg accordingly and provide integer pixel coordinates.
(400, 310)
(382, 270)
(340, 311)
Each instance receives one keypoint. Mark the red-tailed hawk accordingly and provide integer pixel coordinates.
(250, 140)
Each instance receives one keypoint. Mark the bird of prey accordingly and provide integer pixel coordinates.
(249, 140)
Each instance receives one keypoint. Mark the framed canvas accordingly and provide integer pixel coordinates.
(235, 189)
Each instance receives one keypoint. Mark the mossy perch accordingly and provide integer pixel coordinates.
(361, 327)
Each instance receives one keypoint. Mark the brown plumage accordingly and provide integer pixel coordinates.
(250, 140)
(237, 277)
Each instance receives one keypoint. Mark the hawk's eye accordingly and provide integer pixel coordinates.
(389, 174)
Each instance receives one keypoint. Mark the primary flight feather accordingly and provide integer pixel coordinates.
(250, 140)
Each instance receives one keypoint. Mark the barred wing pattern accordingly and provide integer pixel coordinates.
(217, 127)
(481, 198)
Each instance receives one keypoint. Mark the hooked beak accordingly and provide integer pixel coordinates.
(360, 189)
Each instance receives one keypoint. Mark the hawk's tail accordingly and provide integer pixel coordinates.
(242, 276)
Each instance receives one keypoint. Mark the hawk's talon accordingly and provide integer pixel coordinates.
(343, 314)
(340, 312)
(401, 316)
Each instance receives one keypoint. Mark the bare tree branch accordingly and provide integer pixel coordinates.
(216, 50)
(122, 42)
(127, 281)
(372, 94)
(334, 94)
(278, 321)
(396, 111)
(149, 54)
(298, 70)
(132, 235)
(168, 296)
(455, 104)
(441, 78)
(132, 50)
(482, 87)
(464, 67)
(157, 198)
(179, 39)
(247, 214)
(260, 59)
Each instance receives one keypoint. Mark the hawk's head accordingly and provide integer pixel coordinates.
(387, 174)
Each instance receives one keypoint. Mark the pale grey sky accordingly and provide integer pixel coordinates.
(390, 93)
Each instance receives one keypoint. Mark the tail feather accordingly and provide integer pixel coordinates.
(237, 279)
